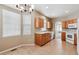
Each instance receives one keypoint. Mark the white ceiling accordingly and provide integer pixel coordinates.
(54, 9)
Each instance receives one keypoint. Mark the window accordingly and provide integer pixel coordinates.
(11, 23)
(27, 24)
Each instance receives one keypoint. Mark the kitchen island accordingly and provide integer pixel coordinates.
(41, 38)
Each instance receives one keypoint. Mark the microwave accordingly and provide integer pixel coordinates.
(72, 25)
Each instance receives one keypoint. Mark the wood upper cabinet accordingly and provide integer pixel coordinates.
(41, 22)
(38, 22)
(72, 21)
(64, 26)
(49, 24)
(66, 23)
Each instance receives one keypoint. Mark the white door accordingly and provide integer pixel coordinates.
(58, 29)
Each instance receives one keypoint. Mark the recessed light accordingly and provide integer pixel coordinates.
(67, 11)
(47, 7)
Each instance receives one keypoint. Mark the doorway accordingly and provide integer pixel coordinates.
(58, 30)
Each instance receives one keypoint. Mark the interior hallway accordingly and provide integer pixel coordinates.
(54, 47)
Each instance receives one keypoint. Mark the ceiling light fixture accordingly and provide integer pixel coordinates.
(67, 11)
(25, 8)
(46, 7)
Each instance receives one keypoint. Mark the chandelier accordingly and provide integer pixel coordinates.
(28, 8)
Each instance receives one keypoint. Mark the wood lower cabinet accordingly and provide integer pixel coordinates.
(63, 36)
(75, 39)
(41, 39)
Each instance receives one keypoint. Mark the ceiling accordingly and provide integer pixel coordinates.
(54, 9)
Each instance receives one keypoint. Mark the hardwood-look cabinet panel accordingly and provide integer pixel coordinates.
(38, 22)
(41, 39)
(66, 23)
(41, 22)
(69, 21)
(75, 38)
(63, 24)
(49, 24)
(74, 20)
(63, 36)
(48, 37)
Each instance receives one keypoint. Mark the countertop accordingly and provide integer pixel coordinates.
(43, 32)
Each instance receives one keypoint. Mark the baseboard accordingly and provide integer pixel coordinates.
(28, 44)
(16, 47)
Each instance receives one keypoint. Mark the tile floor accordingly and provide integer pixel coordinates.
(54, 47)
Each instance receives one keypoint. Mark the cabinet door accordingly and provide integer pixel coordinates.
(49, 24)
(63, 36)
(75, 38)
(66, 26)
(41, 22)
(74, 20)
(48, 37)
(39, 39)
(36, 22)
(63, 24)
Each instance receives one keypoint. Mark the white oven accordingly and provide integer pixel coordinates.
(70, 37)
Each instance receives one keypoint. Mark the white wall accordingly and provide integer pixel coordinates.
(78, 31)
(8, 42)
(12, 41)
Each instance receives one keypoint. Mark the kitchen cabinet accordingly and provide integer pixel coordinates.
(42, 38)
(71, 21)
(75, 38)
(38, 22)
(41, 22)
(63, 36)
(66, 23)
(49, 25)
